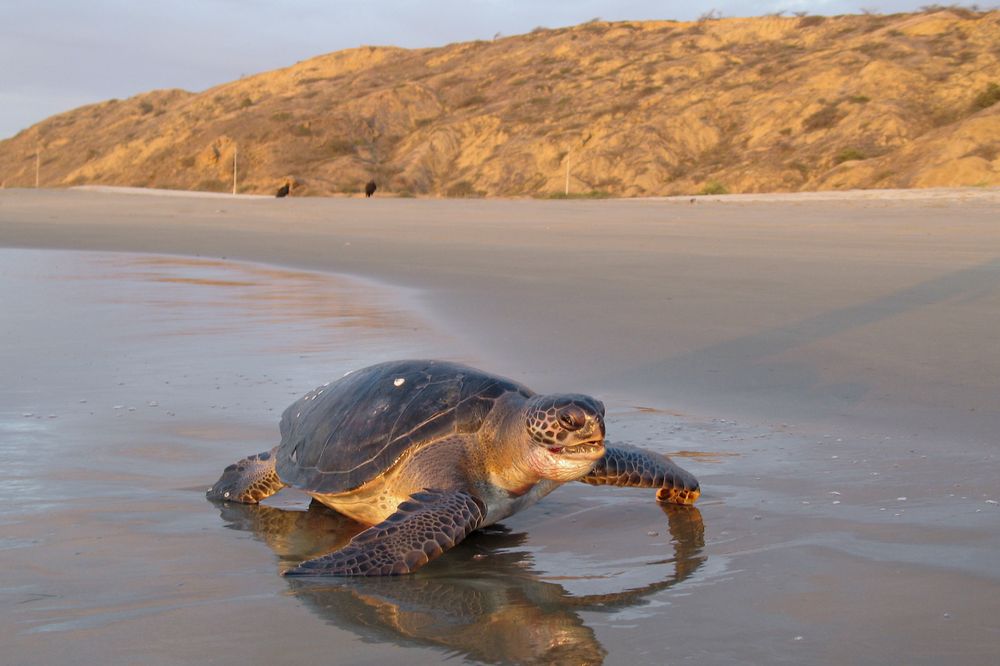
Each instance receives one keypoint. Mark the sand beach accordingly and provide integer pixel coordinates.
(827, 365)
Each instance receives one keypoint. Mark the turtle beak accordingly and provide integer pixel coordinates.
(586, 452)
(591, 449)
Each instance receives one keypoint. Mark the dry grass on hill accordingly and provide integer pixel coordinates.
(631, 109)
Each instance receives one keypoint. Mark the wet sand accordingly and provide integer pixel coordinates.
(814, 362)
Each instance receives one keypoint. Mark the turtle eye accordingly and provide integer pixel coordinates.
(572, 418)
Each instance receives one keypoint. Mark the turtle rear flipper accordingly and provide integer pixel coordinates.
(423, 527)
(638, 468)
(248, 481)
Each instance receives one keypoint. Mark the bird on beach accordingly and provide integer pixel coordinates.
(283, 190)
(370, 188)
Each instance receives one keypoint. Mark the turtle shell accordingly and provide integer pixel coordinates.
(344, 434)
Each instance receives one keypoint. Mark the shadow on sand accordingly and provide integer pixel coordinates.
(481, 601)
(744, 364)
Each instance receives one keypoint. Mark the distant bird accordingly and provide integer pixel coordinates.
(370, 188)
(283, 190)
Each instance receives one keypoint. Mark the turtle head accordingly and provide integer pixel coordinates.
(566, 433)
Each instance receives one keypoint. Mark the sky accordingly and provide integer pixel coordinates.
(56, 55)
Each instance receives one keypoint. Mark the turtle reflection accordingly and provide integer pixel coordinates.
(483, 601)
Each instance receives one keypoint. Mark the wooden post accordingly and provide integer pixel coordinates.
(38, 164)
(236, 151)
(567, 173)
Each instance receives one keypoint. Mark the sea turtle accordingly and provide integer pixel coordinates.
(427, 451)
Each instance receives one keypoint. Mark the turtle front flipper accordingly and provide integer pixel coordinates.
(248, 481)
(638, 468)
(423, 527)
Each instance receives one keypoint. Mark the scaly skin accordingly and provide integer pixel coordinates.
(248, 481)
(637, 468)
(422, 528)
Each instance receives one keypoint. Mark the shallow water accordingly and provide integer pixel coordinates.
(132, 380)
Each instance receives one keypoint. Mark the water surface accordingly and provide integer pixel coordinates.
(131, 380)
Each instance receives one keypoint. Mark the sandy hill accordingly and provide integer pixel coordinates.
(628, 109)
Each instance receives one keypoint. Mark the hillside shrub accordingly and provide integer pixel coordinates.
(340, 146)
(848, 155)
(810, 21)
(825, 118)
(972, 12)
(212, 185)
(475, 100)
(714, 187)
(463, 189)
(589, 194)
(988, 152)
(987, 98)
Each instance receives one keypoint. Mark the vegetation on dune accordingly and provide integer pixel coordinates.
(987, 98)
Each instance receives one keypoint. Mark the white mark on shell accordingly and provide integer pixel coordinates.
(399, 381)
